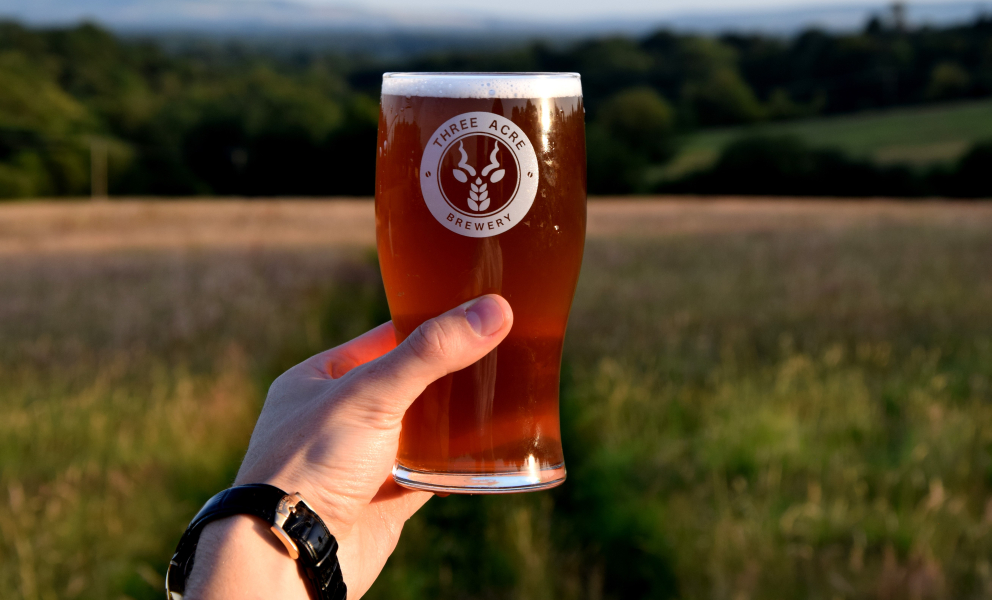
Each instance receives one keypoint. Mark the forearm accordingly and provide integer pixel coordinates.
(239, 557)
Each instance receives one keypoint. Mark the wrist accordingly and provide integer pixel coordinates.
(331, 508)
(239, 557)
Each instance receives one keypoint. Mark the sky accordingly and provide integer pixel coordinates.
(461, 16)
(583, 9)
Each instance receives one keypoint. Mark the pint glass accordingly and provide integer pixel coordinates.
(481, 189)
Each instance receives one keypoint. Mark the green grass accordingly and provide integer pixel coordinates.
(919, 136)
(129, 385)
(762, 415)
(749, 414)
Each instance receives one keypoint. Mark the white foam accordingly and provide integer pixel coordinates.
(482, 85)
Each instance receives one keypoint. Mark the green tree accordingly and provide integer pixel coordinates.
(42, 143)
(614, 168)
(31, 100)
(631, 130)
(948, 80)
(641, 118)
(721, 97)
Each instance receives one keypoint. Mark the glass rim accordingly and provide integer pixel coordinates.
(485, 74)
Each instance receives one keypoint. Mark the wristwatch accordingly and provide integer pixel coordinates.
(295, 524)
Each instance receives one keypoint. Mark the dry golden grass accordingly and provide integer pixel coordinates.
(85, 226)
(651, 217)
(34, 228)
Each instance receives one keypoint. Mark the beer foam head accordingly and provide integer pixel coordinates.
(482, 85)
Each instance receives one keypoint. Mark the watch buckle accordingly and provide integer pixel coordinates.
(285, 508)
(172, 595)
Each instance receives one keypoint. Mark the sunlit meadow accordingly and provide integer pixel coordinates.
(767, 400)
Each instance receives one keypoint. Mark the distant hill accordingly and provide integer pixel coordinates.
(346, 26)
(921, 136)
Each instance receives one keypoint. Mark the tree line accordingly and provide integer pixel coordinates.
(230, 119)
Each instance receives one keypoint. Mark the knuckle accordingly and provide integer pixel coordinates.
(376, 417)
(430, 341)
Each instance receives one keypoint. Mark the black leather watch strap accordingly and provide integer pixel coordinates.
(317, 547)
(318, 553)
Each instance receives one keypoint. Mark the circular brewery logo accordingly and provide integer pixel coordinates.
(479, 174)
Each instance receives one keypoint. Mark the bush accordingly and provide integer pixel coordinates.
(970, 177)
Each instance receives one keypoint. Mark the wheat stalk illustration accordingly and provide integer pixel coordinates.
(478, 196)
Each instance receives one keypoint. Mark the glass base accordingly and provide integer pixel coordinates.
(476, 483)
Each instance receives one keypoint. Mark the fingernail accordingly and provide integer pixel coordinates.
(485, 316)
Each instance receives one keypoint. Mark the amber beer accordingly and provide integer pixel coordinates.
(481, 189)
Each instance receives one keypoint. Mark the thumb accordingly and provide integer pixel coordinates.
(440, 346)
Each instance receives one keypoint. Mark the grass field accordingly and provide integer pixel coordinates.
(760, 399)
(920, 136)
